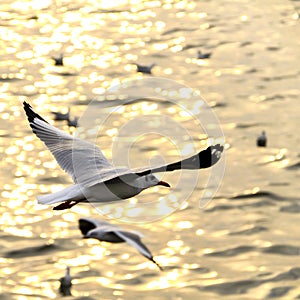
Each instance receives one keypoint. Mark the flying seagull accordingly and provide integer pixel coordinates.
(95, 178)
(66, 284)
(106, 232)
(58, 61)
(144, 69)
(261, 140)
(58, 116)
(73, 122)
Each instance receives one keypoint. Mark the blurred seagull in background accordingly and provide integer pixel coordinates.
(106, 232)
(73, 122)
(261, 140)
(95, 178)
(66, 284)
(201, 55)
(144, 69)
(58, 116)
(58, 61)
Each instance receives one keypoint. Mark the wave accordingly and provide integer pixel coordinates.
(253, 230)
(293, 208)
(274, 249)
(257, 195)
(295, 166)
(32, 251)
(235, 287)
(282, 250)
(233, 251)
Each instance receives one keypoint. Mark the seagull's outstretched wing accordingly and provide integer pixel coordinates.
(134, 240)
(82, 160)
(87, 224)
(204, 159)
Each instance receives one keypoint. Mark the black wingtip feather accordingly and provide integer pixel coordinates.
(85, 226)
(31, 114)
(160, 267)
(210, 156)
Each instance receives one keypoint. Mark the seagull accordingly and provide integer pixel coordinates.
(66, 284)
(203, 55)
(73, 123)
(261, 140)
(106, 232)
(58, 116)
(145, 69)
(95, 178)
(59, 61)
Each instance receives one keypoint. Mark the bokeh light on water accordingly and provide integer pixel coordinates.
(171, 116)
(244, 243)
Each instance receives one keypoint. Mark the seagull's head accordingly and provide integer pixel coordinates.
(150, 180)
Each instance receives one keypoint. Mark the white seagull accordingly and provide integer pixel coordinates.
(106, 232)
(95, 178)
(66, 284)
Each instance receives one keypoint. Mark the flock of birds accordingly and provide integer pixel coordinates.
(146, 69)
(97, 180)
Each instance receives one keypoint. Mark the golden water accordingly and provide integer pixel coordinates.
(244, 244)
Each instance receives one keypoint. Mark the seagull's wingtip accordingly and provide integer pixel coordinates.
(31, 114)
(158, 265)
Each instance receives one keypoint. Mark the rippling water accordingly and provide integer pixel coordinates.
(245, 243)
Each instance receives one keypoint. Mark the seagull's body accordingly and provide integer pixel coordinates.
(262, 140)
(58, 116)
(145, 69)
(106, 232)
(58, 61)
(95, 178)
(66, 284)
(201, 55)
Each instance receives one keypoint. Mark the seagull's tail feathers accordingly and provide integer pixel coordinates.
(73, 192)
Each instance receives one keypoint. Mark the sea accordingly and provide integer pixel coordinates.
(231, 231)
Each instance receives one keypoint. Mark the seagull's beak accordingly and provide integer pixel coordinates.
(163, 183)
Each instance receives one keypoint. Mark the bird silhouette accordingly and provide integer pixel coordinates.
(66, 283)
(261, 140)
(145, 69)
(203, 55)
(106, 232)
(58, 61)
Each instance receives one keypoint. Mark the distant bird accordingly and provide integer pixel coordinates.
(261, 140)
(58, 116)
(96, 179)
(66, 284)
(106, 232)
(145, 69)
(58, 61)
(73, 122)
(203, 55)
